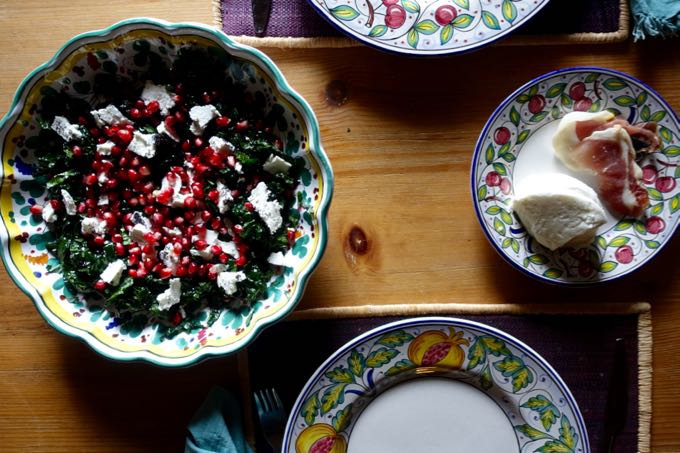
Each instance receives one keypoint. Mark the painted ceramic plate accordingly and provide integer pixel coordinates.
(389, 390)
(516, 142)
(427, 27)
(126, 48)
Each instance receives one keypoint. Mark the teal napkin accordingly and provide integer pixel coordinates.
(655, 18)
(216, 426)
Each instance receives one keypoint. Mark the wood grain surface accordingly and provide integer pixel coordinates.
(400, 147)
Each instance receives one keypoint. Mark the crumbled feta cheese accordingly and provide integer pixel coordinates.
(217, 268)
(224, 197)
(172, 231)
(143, 144)
(103, 200)
(102, 178)
(48, 213)
(170, 296)
(220, 144)
(138, 218)
(177, 199)
(92, 225)
(206, 254)
(169, 257)
(163, 129)
(109, 115)
(269, 211)
(238, 167)
(159, 94)
(65, 129)
(229, 248)
(274, 164)
(105, 148)
(137, 233)
(228, 280)
(279, 259)
(201, 115)
(113, 272)
(69, 204)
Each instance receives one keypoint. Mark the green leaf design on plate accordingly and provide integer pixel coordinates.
(490, 153)
(619, 241)
(340, 375)
(412, 38)
(593, 76)
(623, 225)
(400, 367)
(537, 259)
(555, 112)
(515, 245)
(465, 4)
(506, 217)
(411, 6)
(476, 354)
(532, 433)
(658, 116)
(640, 227)
(481, 192)
(672, 151)
(523, 136)
(356, 363)
(665, 134)
(506, 243)
(504, 149)
(613, 111)
(522, 98)
(395, 339)
(342, 418)
(509, 365)
(657, 209)
(555, 90)
(567, 433)
(641, 98)
(427, 27)
(547, 410)
(446, 34)
(334, 395)
(566, 101)
(377, 31)
(494, 346)
(645, 113)
(500, 169)
(499, 226)
(490, 20)
(485, 379)
(514, 116)
(595, 107)
(652, 244)
(508, 157)
(554, 446)
(654, 194)
(380, 357)
(344, 12)
(602, 242)
(462, 21)
(533, 90)
(509, 11)
(624, 101)
(493, 210)
(310, 408)
(614, 84)
(538, 117)
(553, 273)
(522, 379)
(675, 202)
(608, 266)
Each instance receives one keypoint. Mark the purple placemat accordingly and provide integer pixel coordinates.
(580, 348)
(296, 18)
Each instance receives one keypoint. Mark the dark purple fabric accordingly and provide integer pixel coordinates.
(580, 348)
(297, 18)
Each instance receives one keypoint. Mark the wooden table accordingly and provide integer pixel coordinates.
(400, 148)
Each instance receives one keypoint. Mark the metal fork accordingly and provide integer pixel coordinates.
(272, 417)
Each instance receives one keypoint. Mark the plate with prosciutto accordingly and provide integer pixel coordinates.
(574, 176)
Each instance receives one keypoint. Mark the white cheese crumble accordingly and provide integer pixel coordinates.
(220, 144)
(224, 197)
(163, 129)
(92, 225)
(103, 200)
(217, 268)
(169, 257)
(170, 296)
(138, 218)
(172, 231)
(48, 213)
(143, 144)
(177, 199)
(228, 280)
(65, 129)
(137, 233)
(113, 272)
(109, 115)
(159, 94)
(206, 254)
(102, 178)
(105, 148)
(274, 164)
(69, 204)
(201, 115)
(269, 211)
(229, 248)
(279, 259)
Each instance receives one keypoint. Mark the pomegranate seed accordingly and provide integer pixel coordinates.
(89, 179)
(224, 258)
(214, 196)
(82, 207)
(152, 107)
(100, 285)
(140, 104)
(99, 241)
(207, 99)
(157, 218)
(241, 261)
(242, 249)
(193, 268)
(179, 221)
(110, 218)
(189, 215)
(215, 160)
(291, 234)
(241, 126)
(125, 135)
(133, 259)
(134, 162)
(222, 121)
(165, 273)
(235, 193)
(215, 224)
(206, 216)
(134, 201)
(151, 238)
(215, 249)
(278, 143)
(132, 273)
(135, 113)
(200, 244)
(198, 142)
(119, 249)
(94, 132)
(249, 206)
(149, 210)
(185, 260)
(77, 151)
(117, 238)
(82, 120)
(238, 229)
(134, 250)
(186, 243)
(212, 275)
(141, 273)
(170, 121)
(56, 204)
(147, 248)
(190, 202)
(148, 264)
(178, 99)
(197, 190)
(181, 271)
(36, 210)
(186, 146)
(180, 117)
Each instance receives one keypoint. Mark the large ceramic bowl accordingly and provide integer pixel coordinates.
(130, 46)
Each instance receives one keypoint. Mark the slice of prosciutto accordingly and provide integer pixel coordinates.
(606, 146)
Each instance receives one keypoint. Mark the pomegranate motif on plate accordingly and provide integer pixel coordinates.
(435, 348)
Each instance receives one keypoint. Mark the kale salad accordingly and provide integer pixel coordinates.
(171, 197)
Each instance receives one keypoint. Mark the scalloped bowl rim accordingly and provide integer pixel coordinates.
(316, 152)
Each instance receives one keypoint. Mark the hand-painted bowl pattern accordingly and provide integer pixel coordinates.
(126, 50)
(531, 394)
(628, 244)
(427, 27)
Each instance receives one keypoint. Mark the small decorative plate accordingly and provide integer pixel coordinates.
(516, 141)
(427, 27)
(390, 388)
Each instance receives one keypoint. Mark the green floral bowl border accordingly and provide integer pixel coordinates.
(537, 402)
(627, 245)
(26, 259)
